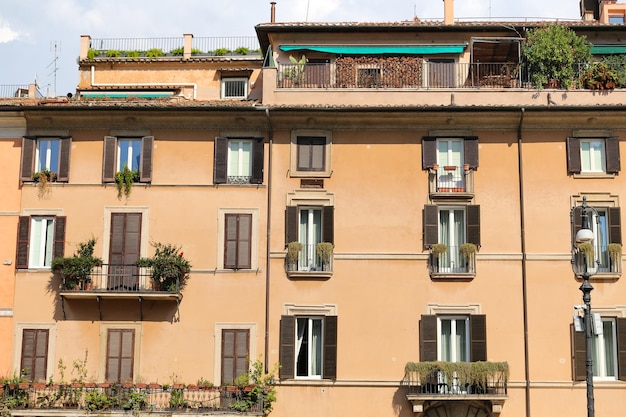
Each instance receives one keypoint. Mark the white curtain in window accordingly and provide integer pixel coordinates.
(592, 155)
(300, 332)
(41, 241)
(239, 158)
(310, 234)
(316, 347)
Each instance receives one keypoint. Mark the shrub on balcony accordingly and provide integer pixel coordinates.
(324, 251)
(439, 249)
(480, 374)
(154, 53)
(618, 64)
(599, 76)
(170, 269)
(551, 52)
(75, 271)
(293, 252)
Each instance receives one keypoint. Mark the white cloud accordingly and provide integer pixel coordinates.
(7, 34)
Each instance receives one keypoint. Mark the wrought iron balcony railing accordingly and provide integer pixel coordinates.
(111, 278)
(309, 261)
(452, 261)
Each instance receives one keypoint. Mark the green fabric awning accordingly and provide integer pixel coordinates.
(378, 49)
(608, 49)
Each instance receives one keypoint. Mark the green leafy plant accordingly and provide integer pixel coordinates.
(242, 50)
(154, 53)
(132, 54)
(204, 383)
(551, 52)
(113, 53)
(618, 64)
(177, 398)
(178, 51)
(170, 269)
(136, 400)
(125, 180)
(96, 400)
(295, 72)
(599, 76)
(92, 53)
(262, 387)
(293, 251)
(325, 251)
(76, 270)
(220, 51)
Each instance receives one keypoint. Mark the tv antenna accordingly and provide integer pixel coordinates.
(55, 46)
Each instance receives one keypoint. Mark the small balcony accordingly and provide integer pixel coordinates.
(452, 261)
(308, 262)
(451, 181)
(429, 384)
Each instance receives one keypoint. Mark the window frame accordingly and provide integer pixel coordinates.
(251, 327)
(32, 373)
(295, 170)
(238, 241)
(429, 336)
(430, 218)
(235, 356)
(120, 357)
(110, 159)
(223, 86)
(28, 160)
(578, 346)
(221, 159)
(24, 240)
(611, 154)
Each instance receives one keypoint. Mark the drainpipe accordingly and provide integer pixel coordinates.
(524, 261)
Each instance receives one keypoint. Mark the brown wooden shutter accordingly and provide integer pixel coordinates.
(58, 248)
(64, 159)
(612, 155)
(145, 166)
(235, 354)
(473, 224)
(120, 355)
(125, 241)
(430, 216)
(429, 151)
(615, 226)
(328, 224)
(478, 337)
(573, 156)
(291, 224)
(23, 240)
(237, 241)
(258, 145)
(109, 159)
(220, 161)
(428, 338)
(578, 223)
(287, 346)
(28, 159)
(621, 348)
(34, 357)
(329, 370)
(470, 149)
(579, 370)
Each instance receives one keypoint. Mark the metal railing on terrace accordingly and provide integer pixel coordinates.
(232, 44)
(110, 278)
(13, 90)
(210, 46)
(458, 378)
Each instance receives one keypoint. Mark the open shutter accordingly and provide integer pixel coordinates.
(473, 225)
(579, 370)
(431, 224)
(621, 348)
(615, 227)
(478, 337)
(291, 224)
(611, 147)
(328, 224)
(470, 149)
(428, 338)
(329, 370)
(578, 223)
(287, 346)
(145, 168)
(258, 145)
(109, 159)
(23, 235)
(573, 156)
(429, 152)
(28, 159)
(220, 161)
(64, 160)
(58, 249)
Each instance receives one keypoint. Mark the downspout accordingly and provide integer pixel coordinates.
(93, 83)
(267, 239)
(524, 261)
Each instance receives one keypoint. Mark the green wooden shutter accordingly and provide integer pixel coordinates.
(470, 150)
(23, 239)
(329, 370)
(287, 346)
(28, 158)
(579, 370)
(428, 338)
(258, 145)
(429, 152)
(430, 219)
(478, 337)
(220, 161)
(145, 166)
(573, 156)
(109, 159)
(64, 159)
(611, 146)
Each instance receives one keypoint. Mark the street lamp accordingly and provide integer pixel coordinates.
(584, 265)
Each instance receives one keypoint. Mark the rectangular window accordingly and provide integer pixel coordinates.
(34, 357)
(237, 241)
(47, 155)
(124, 250)
(309, 356)
(616, 19)
(608, 350)
(309, 226)
(120, 355)
(592, 156)
(311, 153)
(450, 173)
(451, 338)
(238, 160)
(39, 154)
(605, 223)
(235, 87)
(128, 154)
(39, 240)
(605, 351)
(135, 153)
(452, 234)
(235, 354)
(453, 343)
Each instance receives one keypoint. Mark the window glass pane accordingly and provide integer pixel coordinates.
(309, 346)
(309, 234)
(316, 347)
(302, 347)
(239, 158)
(609, 347)
(450, 152)
(453, 339)
(128, 153)
(446, 337)
(234, 87)
(592, 156)
(461, 341)
(41, 242)
(47, 155)
(311, 153)
(600, 230)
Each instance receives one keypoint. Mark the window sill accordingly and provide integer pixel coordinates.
(310, 174)
(309, 274)
(596, 175)
(458, 276)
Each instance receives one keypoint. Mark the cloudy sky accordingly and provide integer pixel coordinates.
(30, 29)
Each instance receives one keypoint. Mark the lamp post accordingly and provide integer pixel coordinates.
(584, 265)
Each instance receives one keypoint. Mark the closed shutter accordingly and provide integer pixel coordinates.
(120, 355)
(23, 238)
(429, 152)
(28, 159)
(58, 249)
(428, 338)
(329, 370)
(145, 169)
(258, 145)
(615, 227)
(612, 155)
(235, 354)
(291, 224)
(470, 149)
(579, 370)
(34, 359)
(237, 241)
(430, 217)
(478, 337)
(64, 160)
(125, 238)
(473, 224)
(621, 348)
(287, 346)
(220, 161)
(573, 156)
(109, 159)
(328, 224)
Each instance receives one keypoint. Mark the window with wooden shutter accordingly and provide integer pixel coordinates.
(109, 159)
(310, 153)
(145, 168)
(428, 338)
(237, 241)
(328, 224)
(437, 331)
(473, 224)
(124, 250)
(258, 159)
(23, 236)
(45, 153)
(329, 369)
(28, 158)
(429, 152)
(621, 348)
(478, 337)
(594, 154)
(235, 354)
(220, 161)
(287, 347)
(573, 155)
(291, 224)
(120, 355)
(470, 148)
(64, 160)
(579, 370)
(613, 164)
(39, 240)
(430, 216)
(34, 357)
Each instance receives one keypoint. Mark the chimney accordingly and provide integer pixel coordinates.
(448, 12)
(273, 14)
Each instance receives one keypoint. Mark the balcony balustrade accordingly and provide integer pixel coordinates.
(452, 261)
(309, 263)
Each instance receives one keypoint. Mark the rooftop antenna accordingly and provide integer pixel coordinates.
(56, 47)
(307, 10)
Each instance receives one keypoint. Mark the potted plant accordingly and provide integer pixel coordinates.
(295, 72)
(43, 178)
(125, 180)
(615, 253)
(438, 249)
(293, 253)
(324, 251)
(599, 76)
(75, 271)
(170, 269)
(467, 251)
(586, 248)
